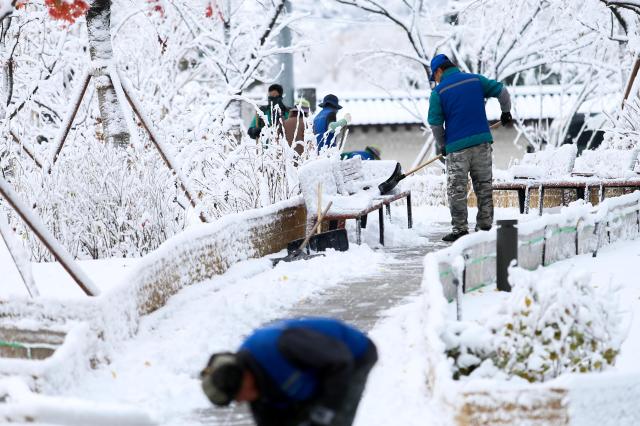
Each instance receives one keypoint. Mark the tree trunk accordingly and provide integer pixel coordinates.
(99, 29)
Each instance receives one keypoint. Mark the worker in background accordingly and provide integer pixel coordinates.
(275, 111)
(321, 124)
(369, 153)
(294, 126)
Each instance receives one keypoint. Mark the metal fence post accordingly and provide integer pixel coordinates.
(506, 251)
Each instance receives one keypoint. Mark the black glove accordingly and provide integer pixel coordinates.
(506, 118)
(253, 132)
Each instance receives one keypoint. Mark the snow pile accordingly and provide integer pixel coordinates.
(607, 163)
(20, 405)
(400, 337)
(549, 163)
(158, 369)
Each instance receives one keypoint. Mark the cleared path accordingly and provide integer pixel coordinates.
(360, 301)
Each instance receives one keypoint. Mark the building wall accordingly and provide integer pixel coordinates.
(403, 143)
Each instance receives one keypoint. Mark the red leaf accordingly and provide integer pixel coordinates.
(66, 10)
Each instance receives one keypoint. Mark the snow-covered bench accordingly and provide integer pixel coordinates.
(538, 169)
(606, 164)
(549, 169)
(552, 163)
(352, 186)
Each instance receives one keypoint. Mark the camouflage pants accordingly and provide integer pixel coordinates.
(477, 162)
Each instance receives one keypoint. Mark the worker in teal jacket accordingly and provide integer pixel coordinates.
(459, 124)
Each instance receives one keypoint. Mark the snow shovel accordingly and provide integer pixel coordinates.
(335, 239)
(386, 186)
(299, 254)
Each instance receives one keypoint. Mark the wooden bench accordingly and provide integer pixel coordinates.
(352, 186)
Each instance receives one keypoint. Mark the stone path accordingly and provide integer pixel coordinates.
(360, 302)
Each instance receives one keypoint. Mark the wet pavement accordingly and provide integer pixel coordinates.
(360, 302)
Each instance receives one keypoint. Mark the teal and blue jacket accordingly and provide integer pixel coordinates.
(458, 103)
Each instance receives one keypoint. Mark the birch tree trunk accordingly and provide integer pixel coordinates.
(101, 51)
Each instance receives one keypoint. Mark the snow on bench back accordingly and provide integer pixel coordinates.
(343, 182)
(549, 163)
(606, 163)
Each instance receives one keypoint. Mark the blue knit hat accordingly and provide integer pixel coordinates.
(436, 63)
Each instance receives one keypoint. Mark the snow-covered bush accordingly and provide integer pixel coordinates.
(549, 325)
(103, 201)
(468, 345)
(233, 175)
(427, 189)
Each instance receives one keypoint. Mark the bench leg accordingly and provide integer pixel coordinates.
(409, 213)
(358, 230)
(381, 220)
(602, 189)
(541, 201)
(580, 192)
(389, 210)
(522, 196)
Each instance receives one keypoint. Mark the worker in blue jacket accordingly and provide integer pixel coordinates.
(459, 124)
(295, 372)
(324, 134)
(369, 153)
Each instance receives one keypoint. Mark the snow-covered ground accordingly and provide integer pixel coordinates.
(157, 371)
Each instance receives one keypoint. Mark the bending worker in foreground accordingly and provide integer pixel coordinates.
(459, 124)
(296, 372)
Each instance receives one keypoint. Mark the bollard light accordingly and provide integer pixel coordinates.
(506, 251)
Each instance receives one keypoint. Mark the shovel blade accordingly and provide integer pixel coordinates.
(388, 185)
(295, 255)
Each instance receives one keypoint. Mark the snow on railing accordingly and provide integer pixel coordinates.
(578, 229)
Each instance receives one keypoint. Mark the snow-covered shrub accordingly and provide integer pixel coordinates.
(549, 325)
(623, 130)
(427, 189)
(555, 325)
(468, 344)
(233, 175)
(103, 201)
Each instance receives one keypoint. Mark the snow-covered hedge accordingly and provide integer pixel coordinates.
(549, 325)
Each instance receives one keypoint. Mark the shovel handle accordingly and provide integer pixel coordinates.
(315, 227)
(423, 165)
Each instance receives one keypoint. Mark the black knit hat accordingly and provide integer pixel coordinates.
(222, 378)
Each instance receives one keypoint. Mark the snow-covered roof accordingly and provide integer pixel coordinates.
(528, 102)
